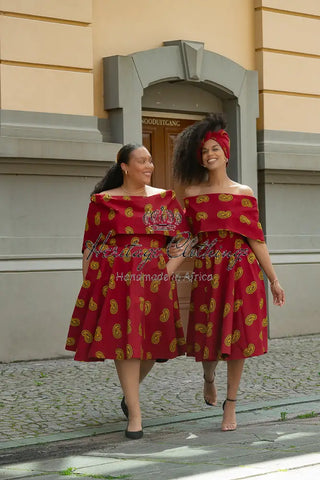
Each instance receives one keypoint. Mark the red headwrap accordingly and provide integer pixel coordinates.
(220, 137)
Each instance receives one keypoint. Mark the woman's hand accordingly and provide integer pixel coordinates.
(277, 293)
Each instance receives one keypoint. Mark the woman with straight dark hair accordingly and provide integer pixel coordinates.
(228, 317)
(127, 309)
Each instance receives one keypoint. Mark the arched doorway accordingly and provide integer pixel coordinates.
(126, 78)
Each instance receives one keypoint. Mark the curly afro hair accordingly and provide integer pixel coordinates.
(186, 167)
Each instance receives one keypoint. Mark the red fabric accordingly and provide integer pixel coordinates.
(222, 137)
(228, 317)
(126, 307)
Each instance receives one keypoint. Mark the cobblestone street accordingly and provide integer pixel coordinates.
(45, 397)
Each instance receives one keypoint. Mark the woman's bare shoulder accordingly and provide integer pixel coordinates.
(243, 189)
(192, 190)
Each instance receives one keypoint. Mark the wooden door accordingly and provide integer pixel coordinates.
(159, 135)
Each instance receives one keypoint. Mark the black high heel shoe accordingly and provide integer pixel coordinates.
(133, 435)
(124, 407)
(211, 381)
(228, 427)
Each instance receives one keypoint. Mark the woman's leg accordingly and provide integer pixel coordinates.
(234, 368)
(209, 388)
(129, 375)
(145, 367)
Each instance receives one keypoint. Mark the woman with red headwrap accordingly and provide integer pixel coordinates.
(228, 317)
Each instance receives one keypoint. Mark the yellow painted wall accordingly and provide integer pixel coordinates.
(122, 27)
(72, 10)
(47, 56)
(288, 62)
(52, 50)
(305, 7)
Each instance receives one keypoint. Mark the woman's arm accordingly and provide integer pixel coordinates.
(261, 252)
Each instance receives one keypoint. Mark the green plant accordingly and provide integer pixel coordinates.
(308, 415)
(67, 471)
(283, 416)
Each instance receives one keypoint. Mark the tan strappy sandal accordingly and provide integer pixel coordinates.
(228, 427)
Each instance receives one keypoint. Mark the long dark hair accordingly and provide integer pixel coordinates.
(114, 176)
(186, 166)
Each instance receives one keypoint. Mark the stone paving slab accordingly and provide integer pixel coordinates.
(195, 450)
(48, 397)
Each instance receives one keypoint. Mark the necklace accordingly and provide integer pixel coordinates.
(144, 194)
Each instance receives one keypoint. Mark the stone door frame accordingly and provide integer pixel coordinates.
(126, 77)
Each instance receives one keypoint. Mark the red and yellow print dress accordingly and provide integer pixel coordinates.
(228, 317)
(127, 306)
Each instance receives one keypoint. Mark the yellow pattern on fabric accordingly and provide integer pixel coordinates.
(209, 329)
(154, 287)
(244, 219)
(237, 304)
(202, 198)
(235, 336)
(200, 327)
(100, 355)
(156, 336)
(97, 218)
(223, 233)
(111, 214)
(201, 216)
(94, 265)
(238, 273)
(250, 319)
(164, 316)
(70, 341)
(128, 212)
(251, 257)
(225, 197)
(247, 352)
(212, 305)
(92, 305)
(173, 345)
(75, 322)
(226, 310)
(224, 214)
(88, 338)
(98, 334)
(119, 354)
(116, 331)
(218, 257)
(251, 288)
(147, 307)
(205, 353)
(112, 281)
(113, 306)
(215, 280)
(129, 351)
(129, 327)
(80, 303)
(238, 243)
(245, 202)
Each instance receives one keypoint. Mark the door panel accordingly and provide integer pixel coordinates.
(159, 135)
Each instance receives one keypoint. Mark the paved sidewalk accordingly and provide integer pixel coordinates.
(194, 449)
(59, 396)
